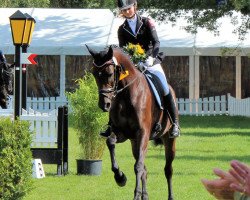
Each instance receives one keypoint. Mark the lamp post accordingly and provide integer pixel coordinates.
(21, 28)
(30, 24)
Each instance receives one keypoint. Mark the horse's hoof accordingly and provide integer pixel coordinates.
(144, 196)
(120, 179)
(137, 197)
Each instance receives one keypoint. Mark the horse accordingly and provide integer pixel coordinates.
(6, 82)
(133, 113)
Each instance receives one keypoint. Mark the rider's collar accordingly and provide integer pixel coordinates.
(132, 19)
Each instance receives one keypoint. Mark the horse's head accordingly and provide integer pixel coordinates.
(6, 82)
(106, 74)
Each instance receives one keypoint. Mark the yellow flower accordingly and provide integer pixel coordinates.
(140, 50)
(136, 52)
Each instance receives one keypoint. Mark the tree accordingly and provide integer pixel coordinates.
(82, 4)
(203, 13)
(24, 3)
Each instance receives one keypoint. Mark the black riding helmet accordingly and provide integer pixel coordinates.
(125, 4)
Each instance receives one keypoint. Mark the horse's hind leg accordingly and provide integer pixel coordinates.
(119, 176)
(169, 144)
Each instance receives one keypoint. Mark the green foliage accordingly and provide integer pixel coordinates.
(15, 159)
(87, 117)
(25, 3)
(203, 13)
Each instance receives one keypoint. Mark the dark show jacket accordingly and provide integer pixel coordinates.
(145, 35)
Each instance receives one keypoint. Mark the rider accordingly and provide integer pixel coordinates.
(2, 57)
(141, 30)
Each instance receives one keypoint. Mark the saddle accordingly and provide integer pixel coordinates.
(156, 87)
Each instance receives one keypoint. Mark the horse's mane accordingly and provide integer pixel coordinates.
(123, 56)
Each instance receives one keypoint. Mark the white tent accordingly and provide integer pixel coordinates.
(66, 31)
(60, 31)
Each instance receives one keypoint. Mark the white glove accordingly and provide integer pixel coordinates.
(149, 61)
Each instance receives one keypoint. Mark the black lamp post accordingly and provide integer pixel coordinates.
(30, 24)
(21, 29)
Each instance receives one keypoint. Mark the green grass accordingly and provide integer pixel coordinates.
(205, 143)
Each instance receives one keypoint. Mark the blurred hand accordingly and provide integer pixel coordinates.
(241, 173)
(220, 188)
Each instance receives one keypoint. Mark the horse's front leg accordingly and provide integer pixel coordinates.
(139, 151)
(119, 176)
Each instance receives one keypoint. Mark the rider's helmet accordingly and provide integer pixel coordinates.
(2, 57)
(125, 4)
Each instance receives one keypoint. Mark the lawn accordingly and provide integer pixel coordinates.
(205, 143)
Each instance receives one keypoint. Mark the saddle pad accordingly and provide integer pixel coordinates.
(155, 87)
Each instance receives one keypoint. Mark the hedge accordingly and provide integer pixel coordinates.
(15, 159)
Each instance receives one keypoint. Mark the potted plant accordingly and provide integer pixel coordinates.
(88, 119)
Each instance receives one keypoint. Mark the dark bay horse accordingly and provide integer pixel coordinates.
(133, 113)
(6, 82)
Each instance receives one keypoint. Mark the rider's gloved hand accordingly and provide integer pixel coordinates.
(149, 61)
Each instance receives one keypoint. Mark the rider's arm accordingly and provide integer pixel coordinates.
(153, 37)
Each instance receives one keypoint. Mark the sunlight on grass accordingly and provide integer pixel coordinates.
(205, 143)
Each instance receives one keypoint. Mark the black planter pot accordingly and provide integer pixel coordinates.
(89, 167)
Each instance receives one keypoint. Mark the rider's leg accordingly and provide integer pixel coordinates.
(168, 98)
(173, 114)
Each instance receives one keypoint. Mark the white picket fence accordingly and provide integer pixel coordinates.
(46, 104)
(41, 104)
(240, 107)
(218, 105)
(203, 106)
(44, 127)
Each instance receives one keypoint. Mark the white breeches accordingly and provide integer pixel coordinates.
(158, 71)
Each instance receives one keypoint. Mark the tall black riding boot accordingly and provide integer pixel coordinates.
(173, 114)
(107, 132)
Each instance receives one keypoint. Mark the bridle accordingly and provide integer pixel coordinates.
(118, 69)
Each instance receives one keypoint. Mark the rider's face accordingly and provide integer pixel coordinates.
(129, 12)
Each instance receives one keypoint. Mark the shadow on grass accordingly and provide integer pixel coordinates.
(215, 121)
(217, 134)
(203, 158)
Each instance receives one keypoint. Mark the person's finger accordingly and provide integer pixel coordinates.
(240, 168)
(237, 187)
(238, 178)
(220, 172)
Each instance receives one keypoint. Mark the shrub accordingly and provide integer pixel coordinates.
(87, 117)
(15, 159)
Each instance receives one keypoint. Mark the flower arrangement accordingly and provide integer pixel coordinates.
(136, 52)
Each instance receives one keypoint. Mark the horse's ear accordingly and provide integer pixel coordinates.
(91, 51)
(110, 52)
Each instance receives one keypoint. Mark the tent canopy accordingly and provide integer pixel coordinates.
(66, 31)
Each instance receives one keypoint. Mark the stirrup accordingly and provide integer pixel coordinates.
(175, 131)
(157, 128)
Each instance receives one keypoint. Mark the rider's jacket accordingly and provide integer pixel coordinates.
(145, 35)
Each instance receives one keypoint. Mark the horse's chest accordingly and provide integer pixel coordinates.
(123, 115)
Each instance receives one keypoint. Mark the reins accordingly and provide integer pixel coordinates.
(117, 71)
